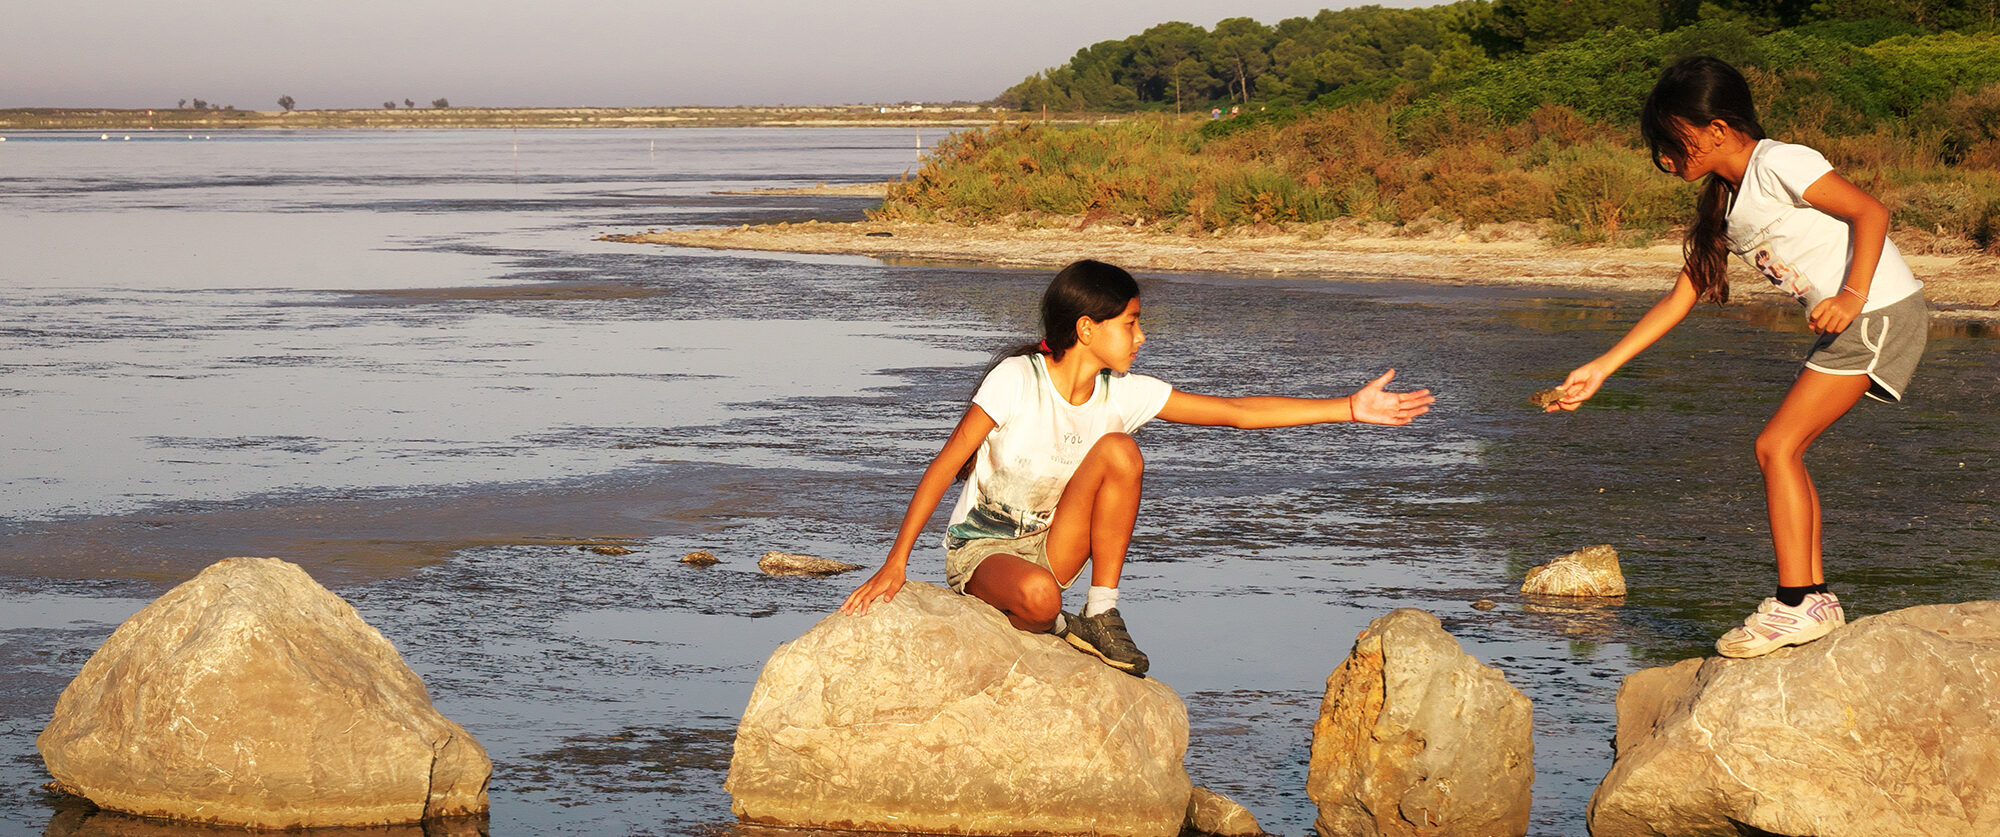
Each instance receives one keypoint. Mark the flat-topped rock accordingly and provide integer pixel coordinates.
(252, 696)
(787, 563)
(1888, 726)
(932, 714)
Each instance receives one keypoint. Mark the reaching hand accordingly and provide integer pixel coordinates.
(880, 587)
(1579, 387)
(1371, 404)
(1833, 314)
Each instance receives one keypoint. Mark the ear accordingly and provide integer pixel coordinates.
(1084, 327)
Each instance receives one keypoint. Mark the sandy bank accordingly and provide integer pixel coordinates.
(1960, 287)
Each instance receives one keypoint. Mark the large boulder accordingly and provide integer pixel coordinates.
(932, 714)
(252, 696)
(1889, 726)
(1415, 737)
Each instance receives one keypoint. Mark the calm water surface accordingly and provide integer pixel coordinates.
(403, 360)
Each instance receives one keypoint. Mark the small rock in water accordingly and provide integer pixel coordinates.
(880, 234)
(786, 563)
(1212, 813)
(1546, 397)
(608, 549)
(1589, 572)
(700, 558)
(1484, 604)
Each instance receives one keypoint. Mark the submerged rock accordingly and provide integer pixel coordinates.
(1888, 726)
(1588, 572)
(785, 563)
(252, 696)
(1212, 813)
(1415, 737)
(700, 558)
(932, 714)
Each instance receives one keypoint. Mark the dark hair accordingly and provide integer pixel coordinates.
(1086, 288)
(1696, 92)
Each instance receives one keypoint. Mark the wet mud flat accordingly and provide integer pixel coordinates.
(607, 687)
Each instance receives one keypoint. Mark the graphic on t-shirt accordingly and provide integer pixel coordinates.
(1782, 275)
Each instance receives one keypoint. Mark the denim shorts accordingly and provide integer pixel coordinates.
(1884, 344)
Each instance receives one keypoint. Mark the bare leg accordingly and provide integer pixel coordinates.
(1092, 523)
(1815, 401)
(1093, 520)
(1019, 588)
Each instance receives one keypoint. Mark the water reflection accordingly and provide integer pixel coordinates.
(76, 817)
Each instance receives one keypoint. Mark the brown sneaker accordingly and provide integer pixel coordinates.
(1104, 637)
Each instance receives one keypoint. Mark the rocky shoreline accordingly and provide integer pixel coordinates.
(1959, 287)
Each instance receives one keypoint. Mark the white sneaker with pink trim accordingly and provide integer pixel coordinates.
(1776, 625)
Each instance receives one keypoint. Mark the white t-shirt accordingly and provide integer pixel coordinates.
(1802, 250)
(1038, 439)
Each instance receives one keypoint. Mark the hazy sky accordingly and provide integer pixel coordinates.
(498, 53)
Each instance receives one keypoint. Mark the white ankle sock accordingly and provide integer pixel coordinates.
(1058, 626)
(1100, 600)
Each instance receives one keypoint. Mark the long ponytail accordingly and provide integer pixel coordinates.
(1085, 288)
(1694, 93)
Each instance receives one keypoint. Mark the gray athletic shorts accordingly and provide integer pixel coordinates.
(963, 555)
(1883, 344)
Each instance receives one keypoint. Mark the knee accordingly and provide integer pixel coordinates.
(1040, 599)
(1120, 454)
(1777, 449)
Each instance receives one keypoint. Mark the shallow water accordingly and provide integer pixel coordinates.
(402, 360)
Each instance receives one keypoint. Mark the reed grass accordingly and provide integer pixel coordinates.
(1581, 180)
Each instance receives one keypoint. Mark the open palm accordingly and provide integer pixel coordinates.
(1373, 404)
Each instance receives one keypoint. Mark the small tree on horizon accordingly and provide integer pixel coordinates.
(440, 102)
(391, 104)
(409, 104)
(183, 105)
(286, 102)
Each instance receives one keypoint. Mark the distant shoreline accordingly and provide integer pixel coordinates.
(184, 119)
(1964, 289)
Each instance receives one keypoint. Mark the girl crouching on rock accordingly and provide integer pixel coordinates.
(1052, 474)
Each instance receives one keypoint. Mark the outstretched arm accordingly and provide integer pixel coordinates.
(1370, 404)
(1664, 315)
(972, 429)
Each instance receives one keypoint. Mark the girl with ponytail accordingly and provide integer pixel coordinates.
(1052, 474)
(1783, 210)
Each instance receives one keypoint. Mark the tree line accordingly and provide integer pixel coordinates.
(1361, 53)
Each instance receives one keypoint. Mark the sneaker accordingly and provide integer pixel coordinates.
(1104, 636)
(1776, 625)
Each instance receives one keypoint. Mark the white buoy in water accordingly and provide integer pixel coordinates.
(104, 136)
